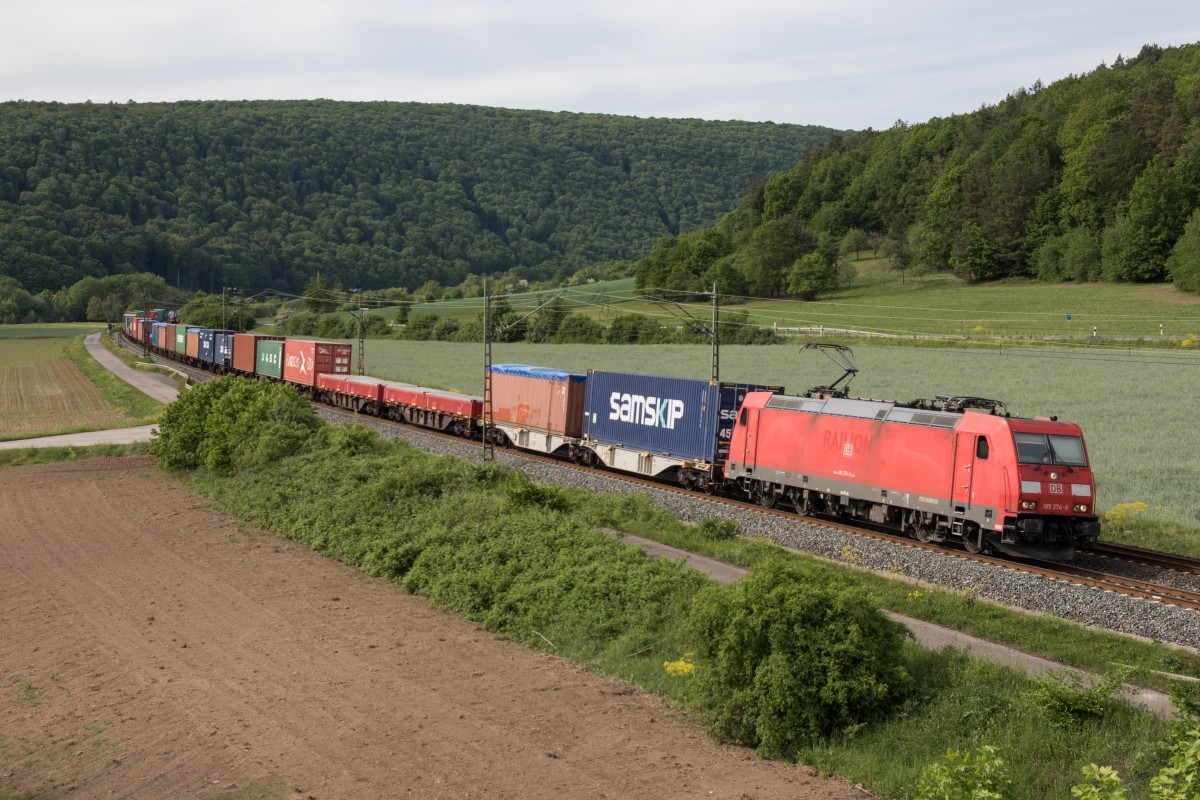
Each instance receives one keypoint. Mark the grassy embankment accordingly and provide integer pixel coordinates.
(526, 562)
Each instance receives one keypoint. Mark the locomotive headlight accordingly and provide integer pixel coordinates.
(1081, 508)
(1029, 505)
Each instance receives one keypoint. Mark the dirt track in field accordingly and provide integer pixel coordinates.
(149, 648)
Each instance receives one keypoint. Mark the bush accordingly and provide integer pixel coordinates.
(1180, 779)
(1065, 699)
(788, 657)
(981, 776)
(231, 422)
(719, 529)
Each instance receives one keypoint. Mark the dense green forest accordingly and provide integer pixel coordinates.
(268, 194)
(1095, 177)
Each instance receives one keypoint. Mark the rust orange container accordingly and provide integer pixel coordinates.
(304, 360)
(244, 350)
(192, 345)
(540, 398)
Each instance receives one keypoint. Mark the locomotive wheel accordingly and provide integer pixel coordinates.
(767, 499)
(973, 542)
(923, 534)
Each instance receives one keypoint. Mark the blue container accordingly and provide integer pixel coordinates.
(207, 345)
(223, 341)
(680, 417)
(158, 336)
(209, 349)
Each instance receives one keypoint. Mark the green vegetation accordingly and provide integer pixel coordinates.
(937, 308)
(38, 331)
(139, 408)
(370, 195)
(773, 661)
(1093, 178)
(89, 299)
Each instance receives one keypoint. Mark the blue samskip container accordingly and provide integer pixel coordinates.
(158, 334)
(680, 417)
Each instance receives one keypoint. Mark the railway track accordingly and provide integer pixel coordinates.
(1153, 558)
(1108, 581)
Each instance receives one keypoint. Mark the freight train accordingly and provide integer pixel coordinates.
(950, 470)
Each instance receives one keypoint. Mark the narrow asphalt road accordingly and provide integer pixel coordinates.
(153, 384)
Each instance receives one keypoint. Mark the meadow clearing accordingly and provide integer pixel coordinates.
(936, 305)
(1137, 407)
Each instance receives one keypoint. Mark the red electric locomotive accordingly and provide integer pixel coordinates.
(955, 469)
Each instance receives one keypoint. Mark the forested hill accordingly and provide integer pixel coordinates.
(257, 194)
(1095, 177)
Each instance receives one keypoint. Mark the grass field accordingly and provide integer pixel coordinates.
(49, 386)
(1136, 406)
(48, 330)
(930, 305)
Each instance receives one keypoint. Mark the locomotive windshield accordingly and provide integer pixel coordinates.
(1041, 448)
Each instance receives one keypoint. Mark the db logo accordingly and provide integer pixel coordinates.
(848, 449)
(1056, 488)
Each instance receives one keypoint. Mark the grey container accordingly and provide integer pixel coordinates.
(680, 417)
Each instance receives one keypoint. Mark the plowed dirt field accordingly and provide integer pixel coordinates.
(152, 648)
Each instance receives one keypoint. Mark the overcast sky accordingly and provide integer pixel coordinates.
(848, 64)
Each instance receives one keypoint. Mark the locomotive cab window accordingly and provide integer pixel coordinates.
(1041, 448)
(743, 417)
(981, 448)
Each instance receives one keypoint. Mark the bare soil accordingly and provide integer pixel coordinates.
(51, 396)
(151, 647)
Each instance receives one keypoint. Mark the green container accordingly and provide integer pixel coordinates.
(162, 314)
(269, 358)
(181, 339)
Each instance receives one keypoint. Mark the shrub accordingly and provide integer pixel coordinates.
(982, 776)
(1066, 699)
(1103, 783)
(1180, 779)
(787, 657)
(232, 422)
(719, 529)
